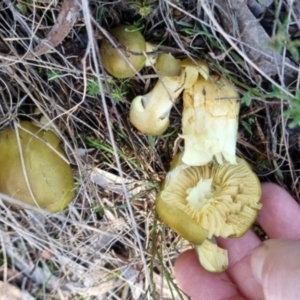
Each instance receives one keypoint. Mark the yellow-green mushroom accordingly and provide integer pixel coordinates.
(133, 47)
(201, 202)
(34, 167)
(150, 113)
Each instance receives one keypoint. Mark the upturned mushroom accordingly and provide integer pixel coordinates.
(133, 47)
(210, 121)
(34, 167)
(150, 113)
(201, 202)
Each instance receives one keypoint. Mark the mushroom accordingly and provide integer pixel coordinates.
(210, 121)
(133, 47)
(150, 113)
(211, 257)
(200, 202)
(34, 168)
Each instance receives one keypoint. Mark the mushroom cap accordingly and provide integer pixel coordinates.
(147, 120)
(210, 121)
(46, 179)
(222, 199)
(134, 47)
(168, 65)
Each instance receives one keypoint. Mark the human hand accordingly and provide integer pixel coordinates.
(257, 271)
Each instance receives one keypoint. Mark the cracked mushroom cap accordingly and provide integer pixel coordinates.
(200, 202)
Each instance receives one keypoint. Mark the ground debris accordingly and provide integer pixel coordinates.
(240, 22)
(66, 19)
(9, 291)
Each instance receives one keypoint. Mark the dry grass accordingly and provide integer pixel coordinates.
(108, 244)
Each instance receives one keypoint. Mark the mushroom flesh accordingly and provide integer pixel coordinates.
(210, 121)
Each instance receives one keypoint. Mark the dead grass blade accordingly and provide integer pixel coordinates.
(65, 21)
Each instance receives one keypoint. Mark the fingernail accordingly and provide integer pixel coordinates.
(257, 261)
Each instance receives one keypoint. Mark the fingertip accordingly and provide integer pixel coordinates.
(270, 190)
(276, 265)
(279, 208)
(198, 283)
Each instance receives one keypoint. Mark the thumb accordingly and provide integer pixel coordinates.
(276, 266)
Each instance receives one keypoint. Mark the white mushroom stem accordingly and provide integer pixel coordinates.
(150, 58)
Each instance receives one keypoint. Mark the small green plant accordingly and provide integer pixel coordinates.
(93, 88)
(119, 89)
(294, 111)
(142, 7)
(262, 164)
(282, 40)
(53, 75)
(247, 125)
(249, 95)
(108, 153)
(21, 7)
(151, 141)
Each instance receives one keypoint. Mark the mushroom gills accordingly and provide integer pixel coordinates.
(214, 200)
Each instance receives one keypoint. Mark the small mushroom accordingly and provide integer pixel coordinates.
(150, 113)
(133, 46)
(210, 121)
(213, 200)
(34, 168)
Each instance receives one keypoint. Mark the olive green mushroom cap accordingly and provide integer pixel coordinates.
(132, 44)
(222, 200)
(37, 172)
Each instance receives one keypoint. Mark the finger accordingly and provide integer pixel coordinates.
(276, 265)
(239, 270)
(279, 213)
(239, 250)
(200, 284)
(278, 205)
